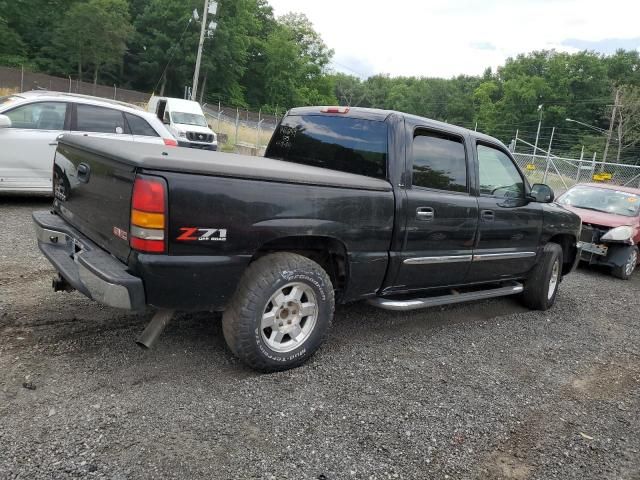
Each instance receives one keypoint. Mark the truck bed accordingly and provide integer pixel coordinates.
(162, 158)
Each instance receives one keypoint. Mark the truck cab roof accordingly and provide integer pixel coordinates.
(381, 115)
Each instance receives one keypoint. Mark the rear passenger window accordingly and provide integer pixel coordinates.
(139, 126)
(439, 162)
(346, 144)
(99, 119)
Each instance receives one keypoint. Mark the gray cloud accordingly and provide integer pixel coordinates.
(606, 46)
(352, 65)
(482, 45)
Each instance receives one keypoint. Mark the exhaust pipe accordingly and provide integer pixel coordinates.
(59, 284)
(154, 329)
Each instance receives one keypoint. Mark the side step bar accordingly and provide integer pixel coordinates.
(512, 288)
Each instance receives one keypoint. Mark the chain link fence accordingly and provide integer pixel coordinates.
(562, 173)
(23, 80)
(241, 130)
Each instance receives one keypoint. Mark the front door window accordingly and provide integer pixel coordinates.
(499, 177)
(39, 116)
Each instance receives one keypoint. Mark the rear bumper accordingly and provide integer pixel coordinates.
(85, 266)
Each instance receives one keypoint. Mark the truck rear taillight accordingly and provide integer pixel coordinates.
(148, 215)
(334, 110)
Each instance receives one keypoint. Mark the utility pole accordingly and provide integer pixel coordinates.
(611, 122)
(546, 170)
(196, 74)
(620, 127)
(535, 146)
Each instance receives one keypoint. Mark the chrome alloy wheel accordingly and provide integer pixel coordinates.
(289, 317)
(553, 281)
(631, 263)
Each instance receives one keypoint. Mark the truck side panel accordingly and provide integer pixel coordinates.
(227, 220)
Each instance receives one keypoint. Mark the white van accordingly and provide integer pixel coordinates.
(185, 120)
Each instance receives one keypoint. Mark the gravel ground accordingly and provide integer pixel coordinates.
(485, 390)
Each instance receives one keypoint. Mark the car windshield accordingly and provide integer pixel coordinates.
(189, 119)
(602, 200)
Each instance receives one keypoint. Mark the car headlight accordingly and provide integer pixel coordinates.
(182, 134)
(619, 234)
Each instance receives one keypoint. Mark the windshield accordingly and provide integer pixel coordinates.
(346, 144)
(602, 200)
(189, 119)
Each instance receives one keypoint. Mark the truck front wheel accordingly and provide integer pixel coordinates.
(541, 288)
(280, 313)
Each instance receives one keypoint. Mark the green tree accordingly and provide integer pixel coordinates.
(295, 65)
(12, 48)
(162, 51)
(93, 34)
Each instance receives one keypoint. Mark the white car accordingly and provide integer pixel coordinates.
(31, 122)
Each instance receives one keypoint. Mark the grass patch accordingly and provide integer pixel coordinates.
(246, 135)
(7, 91)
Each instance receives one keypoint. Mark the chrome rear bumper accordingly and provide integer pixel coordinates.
(85, 266)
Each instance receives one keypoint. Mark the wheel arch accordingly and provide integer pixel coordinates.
(328, 252)
(568, 243)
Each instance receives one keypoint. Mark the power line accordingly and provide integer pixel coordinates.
(172, 51)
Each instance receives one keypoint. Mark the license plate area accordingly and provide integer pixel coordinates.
(73, 245)
(595, 248)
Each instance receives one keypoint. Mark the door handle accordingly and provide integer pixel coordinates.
(488, 215)
(53, 144)
(83, 172)
(425, 213)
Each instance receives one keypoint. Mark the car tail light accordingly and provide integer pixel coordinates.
(148, 215)
(170, 142)
(335, 110)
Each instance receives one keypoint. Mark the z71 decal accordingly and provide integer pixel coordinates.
(195, 234)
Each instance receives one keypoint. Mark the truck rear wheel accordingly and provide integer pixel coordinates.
(281, 312)
(541, 287)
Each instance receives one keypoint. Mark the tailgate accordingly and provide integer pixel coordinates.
(93, 193)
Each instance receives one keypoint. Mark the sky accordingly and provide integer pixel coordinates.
(439, 38)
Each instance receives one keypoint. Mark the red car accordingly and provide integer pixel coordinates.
(610, 224)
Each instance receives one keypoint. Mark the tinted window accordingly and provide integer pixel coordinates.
(98, 119)
(340, 143)
(439, 161)
(139, 126)
(39, 116)
(499, 177)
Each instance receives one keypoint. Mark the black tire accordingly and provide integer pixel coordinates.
(536, 294)
(265, 278)
(624, 272)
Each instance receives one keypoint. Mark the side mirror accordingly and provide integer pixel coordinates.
(5, 122)
(541, 193)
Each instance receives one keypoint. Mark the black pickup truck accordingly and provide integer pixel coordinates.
(349, 204)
